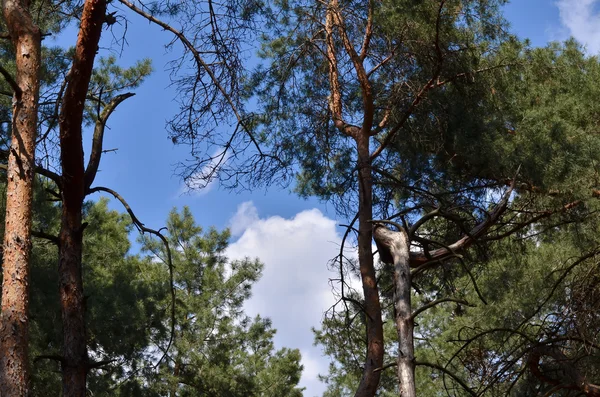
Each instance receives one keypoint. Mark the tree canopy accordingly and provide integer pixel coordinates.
(469, 156)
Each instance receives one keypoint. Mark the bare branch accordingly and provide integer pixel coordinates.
(201, 64)
(54, 357)
(449, 373)
(96, 154)
(419, 258)
(38, 170)
(437, 302)
(157, 233)
(422, 220)
(574, 379)
(39, 234)
(99, 364)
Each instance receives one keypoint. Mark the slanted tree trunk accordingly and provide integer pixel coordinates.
(75, 357)
(14, 320)
(394, 250)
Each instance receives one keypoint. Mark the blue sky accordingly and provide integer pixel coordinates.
(296, 276)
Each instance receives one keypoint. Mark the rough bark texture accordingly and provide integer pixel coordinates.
(395, 246)
(374, 358)
(14, 321)
(75, 358)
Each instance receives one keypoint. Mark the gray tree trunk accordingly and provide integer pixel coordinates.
(394, 249)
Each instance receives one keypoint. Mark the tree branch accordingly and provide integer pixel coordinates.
(98, 364)
(143, 229)
(437, 302)
(449, 373)
(368, 32)
(11, 82)
(54, 357)
(96, 154)
(576, 381)
(201, 64)
(335, 98)
(38, 170)
(357, 62)
(53, 239)
(419, 258)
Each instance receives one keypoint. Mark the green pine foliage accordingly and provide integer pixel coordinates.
(217, 349)
(538, 287)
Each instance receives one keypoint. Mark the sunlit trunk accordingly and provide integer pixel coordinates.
(394, 250)
(14, 320)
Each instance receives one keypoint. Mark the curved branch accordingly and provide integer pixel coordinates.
(386, 366)
(143, 229)
(437, 302)
(449, 373)
(419, 258)
(576, 381)
(422, 220)
(96, 154)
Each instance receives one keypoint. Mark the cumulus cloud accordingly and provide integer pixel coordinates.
(582, 19)
(294, 290)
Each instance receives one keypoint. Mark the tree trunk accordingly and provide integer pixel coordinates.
(394, 249)
(75, 357)
(14, 320)
(374, 358)
(404, 320)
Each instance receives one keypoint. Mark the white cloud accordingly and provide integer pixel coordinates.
(582, 19)
(294, 290)
(245, 216)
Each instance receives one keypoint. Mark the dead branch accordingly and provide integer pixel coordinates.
(143, 229)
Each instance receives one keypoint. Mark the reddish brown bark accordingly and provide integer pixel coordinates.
(75, 357)
(372, 307)
(14, 320)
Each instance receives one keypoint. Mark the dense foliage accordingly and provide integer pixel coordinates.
(217, 350)
(434, 106)
(527, 322)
